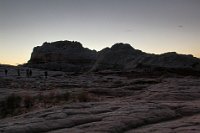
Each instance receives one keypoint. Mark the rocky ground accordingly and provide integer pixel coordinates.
(103, 102)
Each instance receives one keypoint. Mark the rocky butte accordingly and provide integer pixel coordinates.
(72, 56)
(63, 55)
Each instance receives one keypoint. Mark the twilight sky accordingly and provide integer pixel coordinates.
(153, 26)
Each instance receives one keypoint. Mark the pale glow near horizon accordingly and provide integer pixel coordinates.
(155, 26)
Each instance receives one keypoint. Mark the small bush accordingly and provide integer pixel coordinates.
(51, 97)
(28, 101)
(40, 97)
(13, 101)
(3, 109)
(66, 96)
(118, 82)
(10, 106)
(83, 97)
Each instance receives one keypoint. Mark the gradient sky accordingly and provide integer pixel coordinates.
(154, 26)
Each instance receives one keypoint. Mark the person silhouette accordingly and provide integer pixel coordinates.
(18, 72)
(30, 72)
(6, 72)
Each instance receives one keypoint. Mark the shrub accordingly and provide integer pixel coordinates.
(83, 97)
(13, 101)
(10, 105)
(28, 101)
(3, 110)
(66, 96)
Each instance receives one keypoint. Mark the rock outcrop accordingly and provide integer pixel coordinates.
(116, 57)
(62, 55)
(124, 57)
(170, 60)
(72, 56)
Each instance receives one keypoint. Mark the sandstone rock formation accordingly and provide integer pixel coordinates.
(62, 55)
(71, 56)
(116, 57)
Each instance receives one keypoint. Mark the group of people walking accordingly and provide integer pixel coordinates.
(28, 72)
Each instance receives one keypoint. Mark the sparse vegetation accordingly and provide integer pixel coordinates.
(66, 96)
(83, 97)
(10, 106)
(16, 104)
(28, 101)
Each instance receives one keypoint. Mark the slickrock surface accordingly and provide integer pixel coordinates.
(114, 102)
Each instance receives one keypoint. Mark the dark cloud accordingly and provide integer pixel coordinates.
(180, 26)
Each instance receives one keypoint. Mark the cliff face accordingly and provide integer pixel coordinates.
(63, 55)
(72, 56)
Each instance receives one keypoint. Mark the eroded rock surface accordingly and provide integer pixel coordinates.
(114, 102)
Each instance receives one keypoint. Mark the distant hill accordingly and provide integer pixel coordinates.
(72, 56)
